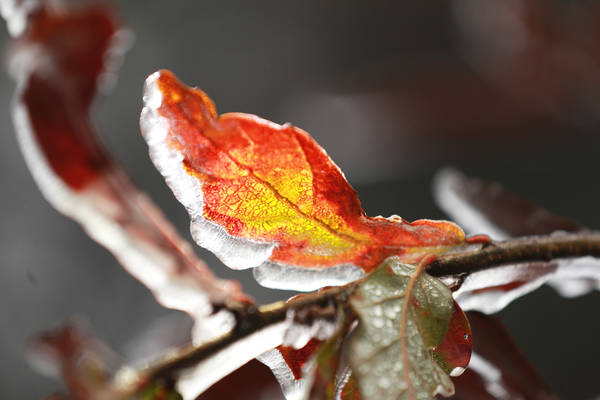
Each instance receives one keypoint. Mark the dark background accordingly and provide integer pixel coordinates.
(507, 92)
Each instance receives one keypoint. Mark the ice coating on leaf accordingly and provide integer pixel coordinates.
(482, 207)
(293, 388)
(293, 363)
(280, 276)
(491, 290)
(205, 373)
(239, 253)
(266, 195)
(56, 63)
(16, 13)
(298, 335)
(386, 363)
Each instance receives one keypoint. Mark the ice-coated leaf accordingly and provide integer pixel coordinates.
(201, 376)
(491, 290)
(266, 195)
(483, 207)
(293, 363)
(403, 316)
(57, 62)
(498, 369)
(83, 363)
(487, 208)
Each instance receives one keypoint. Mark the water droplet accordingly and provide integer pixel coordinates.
(384, 382)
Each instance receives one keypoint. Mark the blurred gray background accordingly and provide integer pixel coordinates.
(393, 90)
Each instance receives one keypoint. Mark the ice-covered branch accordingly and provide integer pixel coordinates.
(453, 267)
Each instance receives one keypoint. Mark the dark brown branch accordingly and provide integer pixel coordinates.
(525, 249)
(458, 263)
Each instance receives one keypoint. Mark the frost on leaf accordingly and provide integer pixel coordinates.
(403, 316)
(265, 195)
(57, 62)
(487, 208)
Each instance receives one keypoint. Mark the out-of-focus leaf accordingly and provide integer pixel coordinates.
(403, 316)
(84, 364)
(482, 207)
(159, 391)
(498, 369)
(556, 37)
(487, 208)
(266, 195)
(57, 62)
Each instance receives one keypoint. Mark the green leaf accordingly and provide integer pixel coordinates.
(403, 315)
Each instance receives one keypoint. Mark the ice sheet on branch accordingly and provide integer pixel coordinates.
(57, 62)
(487, 208)
(267, 196)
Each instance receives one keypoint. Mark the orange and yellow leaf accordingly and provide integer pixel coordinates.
(267, 195)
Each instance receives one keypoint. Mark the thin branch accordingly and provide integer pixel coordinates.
(249, 321)
(457, 263)
(524, 249)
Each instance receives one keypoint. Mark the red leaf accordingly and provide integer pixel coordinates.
(498, 368)
(57, 62)
(483, 207)
(84, 363)
(454, 353)
(262, 194)
(296, 358)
